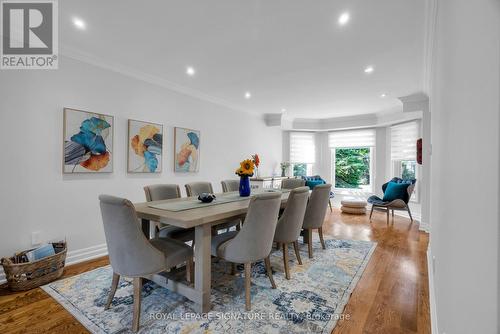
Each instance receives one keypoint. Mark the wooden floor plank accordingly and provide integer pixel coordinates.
(392, 296)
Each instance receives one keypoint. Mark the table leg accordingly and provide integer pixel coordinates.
(145, 227)
(202, 267)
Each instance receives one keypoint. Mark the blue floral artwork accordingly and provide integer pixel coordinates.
(187, 150)
(88, 142)
(145, 147)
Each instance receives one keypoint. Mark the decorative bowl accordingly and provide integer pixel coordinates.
(206, 197)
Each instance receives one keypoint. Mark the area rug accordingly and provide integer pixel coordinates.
(312, 301)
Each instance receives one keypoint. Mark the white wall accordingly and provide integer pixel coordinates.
(36, 196)
(465, 166)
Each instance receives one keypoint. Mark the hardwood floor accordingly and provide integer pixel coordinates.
(391, 297)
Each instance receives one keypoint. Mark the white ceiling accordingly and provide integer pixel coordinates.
(288, 54)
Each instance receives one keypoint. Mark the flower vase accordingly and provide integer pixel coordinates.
(244, 186)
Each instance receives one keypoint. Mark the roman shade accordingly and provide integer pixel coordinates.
(404, 141)
(302, 147)
(352, 138)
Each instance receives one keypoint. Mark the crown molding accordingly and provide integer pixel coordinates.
(78, 55)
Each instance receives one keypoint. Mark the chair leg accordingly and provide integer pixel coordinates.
(409, 212)
(388, 216)
(269, 270)
(320, 231)
(309, 243)
(330, 205)
(190, 271)
(297, 253)
(114, 285)
(285, 260)
(137, 303)
(371, 212)
(248, 305)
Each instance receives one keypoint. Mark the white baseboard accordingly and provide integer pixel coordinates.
(85, 254)
(432, 295)
(76, 256)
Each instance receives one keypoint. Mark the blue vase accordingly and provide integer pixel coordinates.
(244, 186)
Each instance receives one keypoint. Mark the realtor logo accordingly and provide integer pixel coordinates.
(29, 34)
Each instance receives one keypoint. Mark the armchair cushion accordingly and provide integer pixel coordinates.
(395, 191)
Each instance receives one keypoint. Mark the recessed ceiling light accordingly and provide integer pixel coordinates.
(383, 95)
(190, 71)
(283, 110)
(369, 69)
(248, 95)
(344, 18)
(79, 23)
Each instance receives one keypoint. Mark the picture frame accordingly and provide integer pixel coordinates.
(186, 150)
(144, 147)
(88, 139)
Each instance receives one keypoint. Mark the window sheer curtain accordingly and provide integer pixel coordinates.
(302, 147)
(404, 141)
(352, 138)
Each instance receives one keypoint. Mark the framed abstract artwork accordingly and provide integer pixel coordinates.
(145, 143)
(186, 150)
(88, 142)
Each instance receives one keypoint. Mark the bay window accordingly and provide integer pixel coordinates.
(352, 153)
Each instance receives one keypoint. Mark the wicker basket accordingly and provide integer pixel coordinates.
(22, 275)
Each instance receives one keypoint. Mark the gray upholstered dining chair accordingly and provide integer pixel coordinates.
(290, 223)
(196, 188)
(292, 183)
(254, 241)
(230, 185)
(159, 192)
(315, 214)
(132, 255)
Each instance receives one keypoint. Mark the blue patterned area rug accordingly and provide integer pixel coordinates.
(312, 301)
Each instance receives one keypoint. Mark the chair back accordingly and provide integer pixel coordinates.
(130, 253)
(230, 185)
(290, 222)
(292, 183)
(255, 239)
(409, 190)
(196, 188)
(158, 192)
(316, 208)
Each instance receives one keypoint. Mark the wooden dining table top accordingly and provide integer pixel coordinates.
(196, 216)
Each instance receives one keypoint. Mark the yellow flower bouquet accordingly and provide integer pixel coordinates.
(247, 168)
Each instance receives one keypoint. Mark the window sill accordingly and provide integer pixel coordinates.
(350, 192)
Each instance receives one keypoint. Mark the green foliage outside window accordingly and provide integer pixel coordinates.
(408, 169)
(352, 167)
(300, 170)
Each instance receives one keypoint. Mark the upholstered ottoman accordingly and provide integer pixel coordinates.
(353, 206)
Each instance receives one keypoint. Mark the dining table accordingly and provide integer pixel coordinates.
(187, 213)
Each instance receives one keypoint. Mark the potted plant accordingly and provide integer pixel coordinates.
(284, 167)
